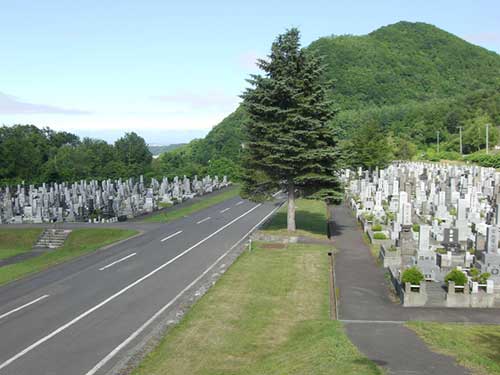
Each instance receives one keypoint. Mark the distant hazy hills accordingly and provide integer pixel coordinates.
(396, 70)
(159, 149)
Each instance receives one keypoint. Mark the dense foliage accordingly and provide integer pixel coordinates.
(457, 276)
(35, 155)
(412, 275)
(404, 82)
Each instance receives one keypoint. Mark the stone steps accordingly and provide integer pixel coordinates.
(436, 295)
(52, 238)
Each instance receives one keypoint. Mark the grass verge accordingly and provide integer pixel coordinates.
(268, 314)
(14, 241)
(474, 346)
(166, 216)
(374, 248)
(310, 220)
(79, 242)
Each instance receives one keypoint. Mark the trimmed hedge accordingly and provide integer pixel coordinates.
(379, 236)
(412, 275)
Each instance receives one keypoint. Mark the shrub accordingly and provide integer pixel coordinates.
(379, 236)
(457, 276)
(441, 250)
(368, 216)
(393, 248)
(416, 227)
(377, 228)
(412, 275)
(479, 277)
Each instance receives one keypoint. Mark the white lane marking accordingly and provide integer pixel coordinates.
(23, 306)
(120, 292)
(117, 261)
(129, 339)
(172, 235)
(202, 221)
(275, 194)
(240, 202)
(225, 209)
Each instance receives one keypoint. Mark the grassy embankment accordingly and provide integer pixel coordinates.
(474, 346)
(204, 202)
(268, 314)
(15, 241)
(79, 242)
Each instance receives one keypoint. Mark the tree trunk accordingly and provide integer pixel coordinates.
(291, 208)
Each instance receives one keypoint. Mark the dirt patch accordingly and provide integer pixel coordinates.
(273, 245)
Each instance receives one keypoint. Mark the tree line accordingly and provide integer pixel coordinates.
(35, 155)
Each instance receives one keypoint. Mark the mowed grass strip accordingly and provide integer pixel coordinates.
(14, 241)
(474, 346)
(204, 202)
(268, 314)
(310, 220)
(79, 242)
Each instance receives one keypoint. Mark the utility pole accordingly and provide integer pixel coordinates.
(438, 141)
(487, 137)
(461, 149)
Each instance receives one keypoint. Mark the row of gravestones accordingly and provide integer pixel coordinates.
(95, 201)
(457, 209)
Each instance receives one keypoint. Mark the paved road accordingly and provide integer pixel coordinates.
(80, 317)
(373, 322)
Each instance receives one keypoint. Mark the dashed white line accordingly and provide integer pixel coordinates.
(203, 220)
(240, 202)
(117, 261)
(172, 235)
(23, 306)
(129, 339)
(224, 210)
(119, 293)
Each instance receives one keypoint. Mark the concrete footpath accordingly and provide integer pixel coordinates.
(373, 322)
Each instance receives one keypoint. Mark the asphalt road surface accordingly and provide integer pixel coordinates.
(80, 317)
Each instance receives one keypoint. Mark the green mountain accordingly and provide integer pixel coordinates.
(160, 149)
(410, 78)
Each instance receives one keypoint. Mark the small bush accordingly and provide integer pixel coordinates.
(377, 228)
(457, 276)
(379, 236)
(368, 216)
(392, 248)
(441, 250)
(416, 227)
(412, 275)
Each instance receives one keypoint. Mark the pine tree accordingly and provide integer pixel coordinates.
(290, 145)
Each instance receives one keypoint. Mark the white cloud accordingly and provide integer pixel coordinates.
(12, 105)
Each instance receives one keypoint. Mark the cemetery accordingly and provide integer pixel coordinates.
(437, 226)
(98, 201)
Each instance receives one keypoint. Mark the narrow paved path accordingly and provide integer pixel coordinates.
(373, 322)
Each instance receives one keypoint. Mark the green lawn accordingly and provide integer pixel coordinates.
(474, 346)
(268, 314)
(14, 241)
(310, 219)
(79, 242)
(204, 202)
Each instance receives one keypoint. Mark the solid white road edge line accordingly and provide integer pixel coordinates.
(172, 235)
(23, 306)
(203, 220)
(115, 351)
(117, 261)
(224, 210)
(240, 202)
(120, 292)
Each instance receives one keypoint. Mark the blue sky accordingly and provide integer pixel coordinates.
(171, 70)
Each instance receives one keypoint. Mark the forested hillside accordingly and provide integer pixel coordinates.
(406, 80)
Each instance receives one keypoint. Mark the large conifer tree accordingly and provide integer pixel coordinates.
(290, 146)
